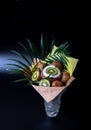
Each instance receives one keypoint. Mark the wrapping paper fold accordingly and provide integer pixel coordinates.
(49, 93)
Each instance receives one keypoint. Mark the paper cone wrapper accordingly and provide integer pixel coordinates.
(49, 93)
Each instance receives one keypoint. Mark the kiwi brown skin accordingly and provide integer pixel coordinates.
(58, 64)
(39, 76)
(56, 83)
(65, 76)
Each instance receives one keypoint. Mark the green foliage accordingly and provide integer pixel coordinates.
(32, 48)
(22, 66)
(59, 55)
(21, 56)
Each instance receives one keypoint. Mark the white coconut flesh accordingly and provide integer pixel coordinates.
(51, 71)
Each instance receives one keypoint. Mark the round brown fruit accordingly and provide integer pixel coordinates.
(65, 76)
(57, 64)
(56, 83)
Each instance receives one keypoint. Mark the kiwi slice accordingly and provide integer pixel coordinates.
(36, 75)
(44, 83)
(52, 71)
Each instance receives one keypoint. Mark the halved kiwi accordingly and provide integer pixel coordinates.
(36, 75)
(44, 83)
(52, 71)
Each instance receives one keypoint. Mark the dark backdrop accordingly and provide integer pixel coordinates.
(23, 18)
(21, 108)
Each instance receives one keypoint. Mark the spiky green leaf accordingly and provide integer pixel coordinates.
(18, 66)
(21, 55)
(26, 50)
(53, 41)
(19, 80)
(42, 44)
(32, 48)
(63, 49)
(19, 62)
(16, 71)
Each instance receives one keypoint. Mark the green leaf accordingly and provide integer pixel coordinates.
(21, 63)
(21, 55)
(26, 50)
(32, 47)
(57, 57)
(46, 47)
(16, 65)
(16, 71)
(42, 44)
(28, 84)
(63, 49)
(19, 80)
(53, 41)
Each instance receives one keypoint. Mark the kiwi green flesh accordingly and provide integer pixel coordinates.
(44, 83)
(52, 71)
(35, 75)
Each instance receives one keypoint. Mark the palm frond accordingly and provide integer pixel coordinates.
(15, 65)
(19, 62)
(32, 48)
(52, 58)
(46, 46)
(28, 84)
(32, 82)
(20, 70)
(21, 56)
(53, 41)
(19, 80)
(16, 71)
(27, 74)
(42, 45)
(59, 55)
(63, 49)
(26, 50)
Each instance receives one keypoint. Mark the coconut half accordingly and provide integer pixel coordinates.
(51, 71)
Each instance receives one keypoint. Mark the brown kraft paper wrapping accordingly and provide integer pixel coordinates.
(49, 93)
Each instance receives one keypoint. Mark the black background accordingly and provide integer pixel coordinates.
(21, 108)
(20, 19)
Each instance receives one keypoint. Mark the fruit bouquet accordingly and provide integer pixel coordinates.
(49, 71)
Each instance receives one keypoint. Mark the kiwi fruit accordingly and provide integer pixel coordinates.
(51, 70)
(57, 64)
(65, 76)
(56, 83)
(44, 83)
(36, 75)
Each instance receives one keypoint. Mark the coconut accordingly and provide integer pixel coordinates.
(51, 71)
